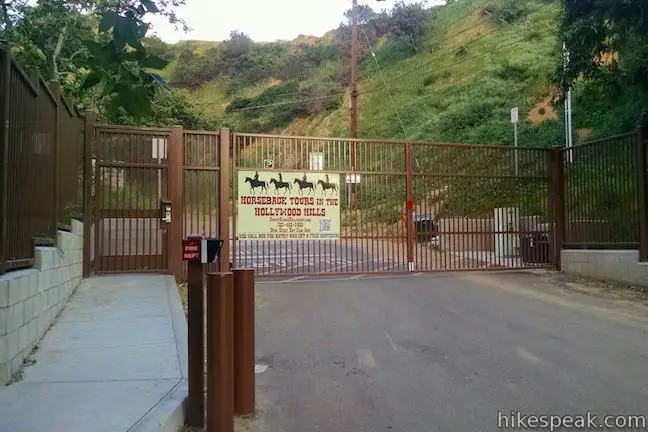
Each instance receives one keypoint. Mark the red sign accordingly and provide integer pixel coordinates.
(410, 204)
(191, 250)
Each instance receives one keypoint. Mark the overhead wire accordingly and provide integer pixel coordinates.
(391, 98)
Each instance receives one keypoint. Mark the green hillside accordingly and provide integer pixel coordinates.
(449, 73)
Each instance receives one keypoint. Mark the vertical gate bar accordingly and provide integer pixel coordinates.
(5, 86)
(98, 204)
(175, 189)
(234, 212)
(88, 125)
(642, 191)
(121, 195)
(409, 206)
(223, 199)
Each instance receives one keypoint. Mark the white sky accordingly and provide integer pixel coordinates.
(262, 20)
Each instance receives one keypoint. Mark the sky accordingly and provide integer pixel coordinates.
(262, 20)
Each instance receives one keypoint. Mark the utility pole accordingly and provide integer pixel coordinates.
(354, 101)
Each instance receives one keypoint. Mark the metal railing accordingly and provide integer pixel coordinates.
(602, 193)
(41, 163)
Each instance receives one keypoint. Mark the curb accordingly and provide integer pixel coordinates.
(169, 413)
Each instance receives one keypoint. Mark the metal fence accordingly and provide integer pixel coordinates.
(602, 193)
(403, 205)
(41, 162)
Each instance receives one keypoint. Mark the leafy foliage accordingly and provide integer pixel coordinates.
(607, 42)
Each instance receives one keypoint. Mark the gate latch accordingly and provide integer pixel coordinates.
(165, 211)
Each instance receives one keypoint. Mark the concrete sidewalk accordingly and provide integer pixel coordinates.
(115, 360)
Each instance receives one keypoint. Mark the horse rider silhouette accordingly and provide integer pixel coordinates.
(256, 175)
(280, 179)
(327, 180)
(304, 178)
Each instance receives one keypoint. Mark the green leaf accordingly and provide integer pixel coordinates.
(154, 62)
(150, 6)
(92, 80)
(108, 20)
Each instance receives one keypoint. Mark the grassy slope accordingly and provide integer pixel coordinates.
(467, 99)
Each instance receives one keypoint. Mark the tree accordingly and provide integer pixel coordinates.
(605, 39)
(98, 41)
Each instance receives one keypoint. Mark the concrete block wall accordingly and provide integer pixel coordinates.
(613, 265)
(31, 299)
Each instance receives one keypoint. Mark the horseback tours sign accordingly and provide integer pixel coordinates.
(288, 206)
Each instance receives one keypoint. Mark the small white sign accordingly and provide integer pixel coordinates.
(316, 162)
(353, 178)
(514, 115)
(159, 148)
(268, 164)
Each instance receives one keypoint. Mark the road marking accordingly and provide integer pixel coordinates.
(391, 341)
(366, 359)
(314, 280)
(294, 279)
(526, 355)
(356, 277)
(260, 368)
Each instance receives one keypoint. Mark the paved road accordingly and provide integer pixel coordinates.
(300, 257)
(442, 353)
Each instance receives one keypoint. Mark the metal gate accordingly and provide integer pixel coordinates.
(403, 206)
(131, 186)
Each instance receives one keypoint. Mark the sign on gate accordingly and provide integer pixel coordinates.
(287, 205)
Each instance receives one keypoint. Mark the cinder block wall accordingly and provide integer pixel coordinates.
(614, 265)
(31, 299)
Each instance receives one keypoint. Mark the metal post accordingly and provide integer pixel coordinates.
(515, 131)
(409, 180)
(244, 342)
(5, 83)
(175, 162)
(56, 92)
(354, 100)
(557, 202)
(220, 353)
(642, 189)
(224, 199)
(196, 341)
(87, 192)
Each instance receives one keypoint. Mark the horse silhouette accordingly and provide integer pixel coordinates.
(304, 184)
(256, 184)
(278, 184)
(326, 186)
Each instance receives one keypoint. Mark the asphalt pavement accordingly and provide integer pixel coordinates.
(445, 352)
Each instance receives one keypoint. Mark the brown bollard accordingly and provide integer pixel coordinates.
(196, 341)
(220, 352)
(244, 342)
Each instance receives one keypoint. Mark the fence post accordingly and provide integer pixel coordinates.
(409, 180)
(5, 83)
(244, 341)
(56, 91)
(642, 189)
(175, 150)
(220, 355)
(88, 218)
(196, 341)
(555, 166)
(224, 199)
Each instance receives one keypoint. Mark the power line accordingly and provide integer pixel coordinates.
(391, 98)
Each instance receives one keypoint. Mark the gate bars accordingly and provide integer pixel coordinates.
(418, 206)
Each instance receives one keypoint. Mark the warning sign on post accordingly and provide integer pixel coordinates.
(288, 206)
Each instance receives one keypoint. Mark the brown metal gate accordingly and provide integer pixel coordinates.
(405, 206)
(131, 179)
